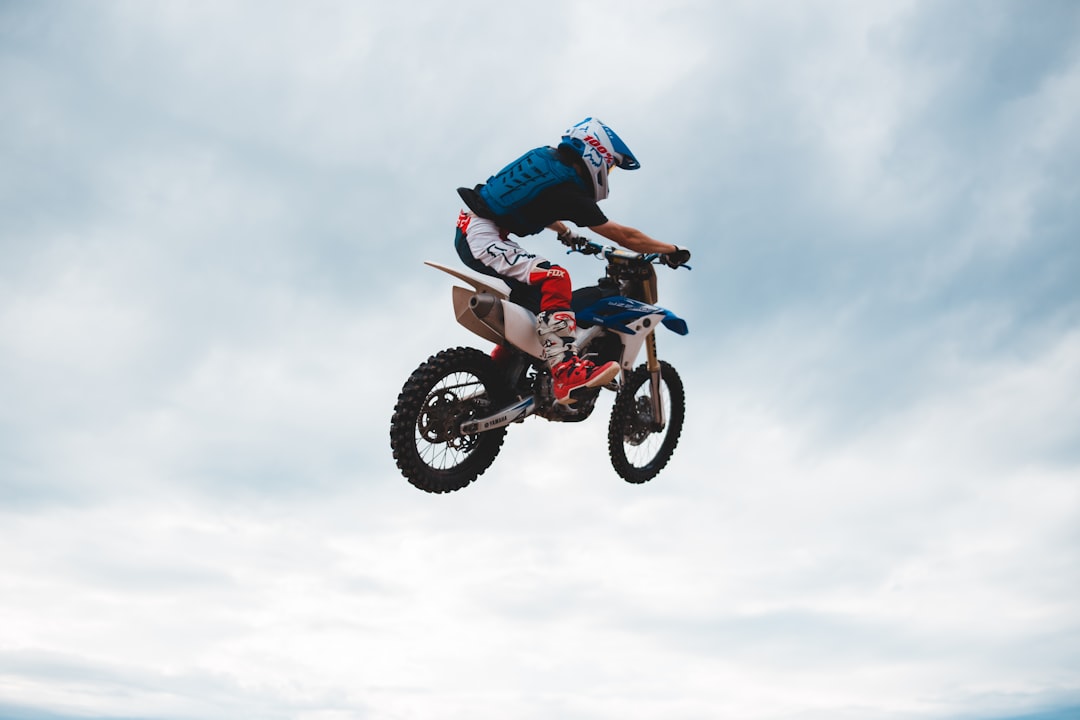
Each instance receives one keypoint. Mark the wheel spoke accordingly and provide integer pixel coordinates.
(449, 403)
(642, 442)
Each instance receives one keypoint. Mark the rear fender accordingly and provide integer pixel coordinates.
(513, 324)
(481, 284)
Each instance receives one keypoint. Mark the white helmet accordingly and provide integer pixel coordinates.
(601, 149)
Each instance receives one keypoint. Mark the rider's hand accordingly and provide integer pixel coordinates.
(571, 239)
(577, 242)
(681, 256)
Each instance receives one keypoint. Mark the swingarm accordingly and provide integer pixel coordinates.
(510, 414)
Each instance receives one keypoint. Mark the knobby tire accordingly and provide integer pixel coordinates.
(639, 451)
(451, 387)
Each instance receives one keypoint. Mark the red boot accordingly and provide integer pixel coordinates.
(575, 373)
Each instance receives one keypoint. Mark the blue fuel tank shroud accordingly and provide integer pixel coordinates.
(616, 313)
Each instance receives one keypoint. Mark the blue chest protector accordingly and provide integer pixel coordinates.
(520, 182)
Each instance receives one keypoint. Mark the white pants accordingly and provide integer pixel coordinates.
(498, 252)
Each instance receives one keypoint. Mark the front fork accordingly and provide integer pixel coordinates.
(653, 365)
(652, 360)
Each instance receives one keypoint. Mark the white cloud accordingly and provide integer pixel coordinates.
(211, 290)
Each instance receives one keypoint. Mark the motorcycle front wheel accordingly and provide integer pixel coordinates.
(639, 446)
(452, 387)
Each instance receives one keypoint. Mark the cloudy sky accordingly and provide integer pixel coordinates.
(213, 217)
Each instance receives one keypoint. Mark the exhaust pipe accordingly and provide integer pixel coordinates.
(483, 304)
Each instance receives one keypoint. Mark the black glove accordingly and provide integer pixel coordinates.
(681, 256)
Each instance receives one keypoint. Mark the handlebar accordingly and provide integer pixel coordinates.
(590, 247)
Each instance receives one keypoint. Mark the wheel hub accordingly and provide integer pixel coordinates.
(441, 418)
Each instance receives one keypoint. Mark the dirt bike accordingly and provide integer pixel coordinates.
(453, 412)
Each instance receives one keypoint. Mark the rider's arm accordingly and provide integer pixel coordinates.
(632, 238)
(559, 227)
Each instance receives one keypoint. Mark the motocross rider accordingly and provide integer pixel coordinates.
(545, 188)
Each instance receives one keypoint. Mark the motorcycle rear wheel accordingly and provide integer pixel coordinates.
(450, 388)
(639, 449)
